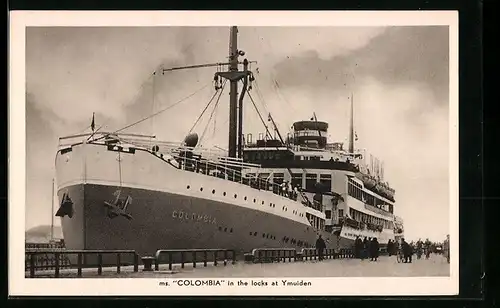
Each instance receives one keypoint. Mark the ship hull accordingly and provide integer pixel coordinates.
(162, 220)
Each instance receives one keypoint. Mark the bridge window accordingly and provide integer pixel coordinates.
(328, 214)
(311, 180)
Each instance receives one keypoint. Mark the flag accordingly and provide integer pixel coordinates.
(269, 117)
(92, 125)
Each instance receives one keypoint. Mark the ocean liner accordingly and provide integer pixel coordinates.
(130, 191)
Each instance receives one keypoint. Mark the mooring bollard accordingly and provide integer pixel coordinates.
(147, 262)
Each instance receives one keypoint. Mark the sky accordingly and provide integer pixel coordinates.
(399, 77)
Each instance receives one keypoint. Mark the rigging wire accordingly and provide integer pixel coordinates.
(260, 116)
(162, 110)
(203, 112)
(212, 113)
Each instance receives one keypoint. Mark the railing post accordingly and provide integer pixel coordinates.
(265, 255)
(157, 260)
(99, 264)
(194, 259)
(56, 255)
(234, 256)
(205, 258)
(136, 262)
(79, 264)
(215, 258)
(259, 256)
(290, 256)
(170, 260)
(225, 257)
(118, 263)
(32, 264)
(182, 259)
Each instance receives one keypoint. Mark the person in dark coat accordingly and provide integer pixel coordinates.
(407, 251)
(374, 248)
(320, 246)
(389, 247)
(358, 247)
(366, 245)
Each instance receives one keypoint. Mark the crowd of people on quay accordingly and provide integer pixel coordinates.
(370, 248)
(366, 248)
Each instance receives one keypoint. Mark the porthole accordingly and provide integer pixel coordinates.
(213, 191)
(201, 188)
(251, 233)
(263, 235)
(262, 202)
(225, 229)
(224, 193)
(255, 234)
(231, 230)
(220, 228)
(188, 187)
(235, 196)
(245, 198)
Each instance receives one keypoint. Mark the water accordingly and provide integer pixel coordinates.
(385, 267)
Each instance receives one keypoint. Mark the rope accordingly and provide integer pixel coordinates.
(203, 112)
(260, 116)
(157, 113)
(212, 113)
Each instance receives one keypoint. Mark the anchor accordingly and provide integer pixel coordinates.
(66, 207)
(118, 207)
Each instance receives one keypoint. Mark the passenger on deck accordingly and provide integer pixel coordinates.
(320, 246)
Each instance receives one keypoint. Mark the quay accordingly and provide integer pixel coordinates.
(436, 266)
(282, 265)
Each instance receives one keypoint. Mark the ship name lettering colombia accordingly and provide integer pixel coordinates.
(193, 216)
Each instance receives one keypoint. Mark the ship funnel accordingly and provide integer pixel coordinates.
(191, 140)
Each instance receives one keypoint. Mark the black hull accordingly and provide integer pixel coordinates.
(161, 220)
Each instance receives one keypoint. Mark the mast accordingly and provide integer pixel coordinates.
(235, 144)
(351, 127)
(233, 94)
(234, 75)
